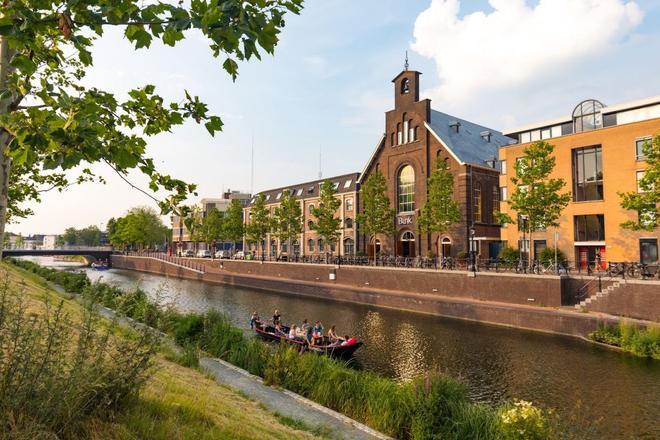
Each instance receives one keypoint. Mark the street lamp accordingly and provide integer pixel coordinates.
(473, 253)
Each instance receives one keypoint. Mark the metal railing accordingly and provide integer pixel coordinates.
(189, 263)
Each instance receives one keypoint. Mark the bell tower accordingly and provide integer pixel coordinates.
(406, 88)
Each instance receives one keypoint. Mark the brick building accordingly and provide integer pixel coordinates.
(598, 152)
(415, 138)
(309, 242)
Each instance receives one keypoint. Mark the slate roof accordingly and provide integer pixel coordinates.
(468, 144)
(308, 190)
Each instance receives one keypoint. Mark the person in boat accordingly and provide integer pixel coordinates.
(293, 332)
(348, 340)
(254, 319)
(277, 318)
(317, 333)
(307, 330)
(332, 334)
(278, 330)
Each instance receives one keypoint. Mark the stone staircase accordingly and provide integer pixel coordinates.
(601, 294)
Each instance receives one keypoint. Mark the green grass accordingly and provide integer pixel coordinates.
(630, 338)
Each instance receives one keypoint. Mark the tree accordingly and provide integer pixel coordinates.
(377, 215)
(89, 236)
(193, 222)
(536, 199)
(260, 223)
(70, 236)
(326, 224)
(288, 219)
(51, 122)
(211, 227)
(646, 201)
(233, 228)
(441, 211)
(140, 227)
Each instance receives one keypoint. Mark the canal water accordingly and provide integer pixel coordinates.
(620, 393)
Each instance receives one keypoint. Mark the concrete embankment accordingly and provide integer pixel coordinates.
(526, 302)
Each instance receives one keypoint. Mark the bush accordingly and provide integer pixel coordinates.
(55, 375)
(509, 255)
(547, 257)
(641, 342)
(523, 421)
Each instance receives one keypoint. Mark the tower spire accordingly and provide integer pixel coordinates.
(406, 65)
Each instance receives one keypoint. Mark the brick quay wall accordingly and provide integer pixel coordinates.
(526, 302)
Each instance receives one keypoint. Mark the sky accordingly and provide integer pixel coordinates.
(318, 104)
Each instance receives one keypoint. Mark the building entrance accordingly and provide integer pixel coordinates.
(407, 244)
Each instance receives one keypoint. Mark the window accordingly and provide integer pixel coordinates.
(555, 131)
(268, 197)
(321, 245)
(406, 189)
(284, 248)
(393, 139)
(411, 132)
(648, 216)
(310, 224)
(349, 246)
(587, 174)
(503, 166)
(349, 204)
(525, 137)
(296, 247)
(536, 135)
(310, 190)
(348, 223)
(335, 185)
(648, 250)
(639, 148)
(406, 126)
(521, 165)
(416, 134)
(347, 184)
(310, 245)
(587, 116)
(279, 195)
(589, 227)
(399, 135)
(639, 177)
(503, 194)
(299, 193)
(496, 202)
(310, 208)
(476, 207)
(405, 86)
(545, 133)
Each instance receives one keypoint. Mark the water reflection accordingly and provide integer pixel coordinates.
(496, 363)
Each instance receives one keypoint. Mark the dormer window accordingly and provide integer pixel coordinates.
(587, 116)
(486, 135)
(455, 126)
(405, 86)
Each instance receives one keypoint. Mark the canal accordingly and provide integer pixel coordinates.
(618, 392)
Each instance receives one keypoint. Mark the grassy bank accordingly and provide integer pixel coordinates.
(630, 338)
(66, 373)
(433, 406)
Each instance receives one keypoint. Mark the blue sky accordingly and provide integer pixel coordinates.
(328, 86)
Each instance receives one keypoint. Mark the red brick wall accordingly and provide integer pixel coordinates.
(634, 299)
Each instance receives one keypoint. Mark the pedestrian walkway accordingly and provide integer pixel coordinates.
(289, 404)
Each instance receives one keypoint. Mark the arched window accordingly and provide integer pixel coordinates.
(393, 139)
(310, 224)
(311, 207)
(416, 134)
(476, 215)
(296, 247)
(405, 86)
(310, 245)
(348, 223)
(321, 245)
(406, 126)
(399, 135)
(406, 189)
(349, 246)
(411, 132)
(587, 116)
(496, 202)
(349, 205)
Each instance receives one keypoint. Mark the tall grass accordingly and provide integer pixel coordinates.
(434, 406)
(641, 342)
(57, 373)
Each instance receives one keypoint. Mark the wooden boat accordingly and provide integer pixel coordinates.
(322, 345)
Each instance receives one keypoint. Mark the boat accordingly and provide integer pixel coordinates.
(100, 266)
(325, 347)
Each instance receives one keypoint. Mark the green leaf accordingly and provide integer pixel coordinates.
(213, 124)
(138, 36)
(231, 67)
(85, 57)
(24, 64)
(171, 36)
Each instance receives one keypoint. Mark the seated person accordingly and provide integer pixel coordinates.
(345, 341)
(317, 331)
(332, 334)
(293, 332)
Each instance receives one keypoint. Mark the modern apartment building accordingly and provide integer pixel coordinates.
(309, 242)
(598, 151)
(180, 234)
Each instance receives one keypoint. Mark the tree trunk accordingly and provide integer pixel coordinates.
(5, 138)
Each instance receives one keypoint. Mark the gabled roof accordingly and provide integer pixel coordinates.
(468, 144)
(307, 190)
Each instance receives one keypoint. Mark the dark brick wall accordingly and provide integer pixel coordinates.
(634, 299)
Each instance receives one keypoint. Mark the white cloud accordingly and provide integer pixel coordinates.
(516, 42)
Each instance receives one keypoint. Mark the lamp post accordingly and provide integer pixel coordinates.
(473, 253)
(523, 244)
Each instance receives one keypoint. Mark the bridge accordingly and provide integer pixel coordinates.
(90, 254)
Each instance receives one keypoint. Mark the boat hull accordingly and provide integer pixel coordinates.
(336, 351)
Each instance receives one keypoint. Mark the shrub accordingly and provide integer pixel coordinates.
(509, 255)
(641, 342)
(547, 257)
(55, 375)
(523, 421)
